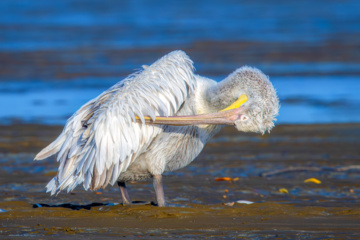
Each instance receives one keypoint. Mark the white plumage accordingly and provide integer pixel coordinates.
(100, 140)
(108, 139)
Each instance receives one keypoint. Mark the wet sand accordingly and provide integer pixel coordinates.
(197, 203)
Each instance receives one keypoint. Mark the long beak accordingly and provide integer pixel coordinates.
(227, 116)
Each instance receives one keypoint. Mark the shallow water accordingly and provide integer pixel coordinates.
(301, 101)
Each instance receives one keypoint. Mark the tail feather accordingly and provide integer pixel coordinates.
(52, 148)
(51, 186)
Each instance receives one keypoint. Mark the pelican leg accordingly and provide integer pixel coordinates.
(159, 190)
(124, 193)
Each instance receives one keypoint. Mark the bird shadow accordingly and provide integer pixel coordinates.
(87, 206)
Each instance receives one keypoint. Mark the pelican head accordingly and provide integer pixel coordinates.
(245, 99)
(251, 89)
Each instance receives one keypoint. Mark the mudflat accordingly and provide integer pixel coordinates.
(269, 171)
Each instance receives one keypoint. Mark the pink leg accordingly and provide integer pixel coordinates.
(160, 197)
(124, 193)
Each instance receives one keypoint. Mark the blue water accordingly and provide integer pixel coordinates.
(301, 101)
(44, 24)
(42, 40)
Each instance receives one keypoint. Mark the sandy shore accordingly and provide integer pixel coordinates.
(197, 202)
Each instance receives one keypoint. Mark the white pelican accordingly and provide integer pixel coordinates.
(155, 121)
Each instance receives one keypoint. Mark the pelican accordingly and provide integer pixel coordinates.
(155, 121)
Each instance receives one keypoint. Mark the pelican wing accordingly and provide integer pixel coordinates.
(102, 138)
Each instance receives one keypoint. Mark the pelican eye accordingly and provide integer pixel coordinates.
(244, 118)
